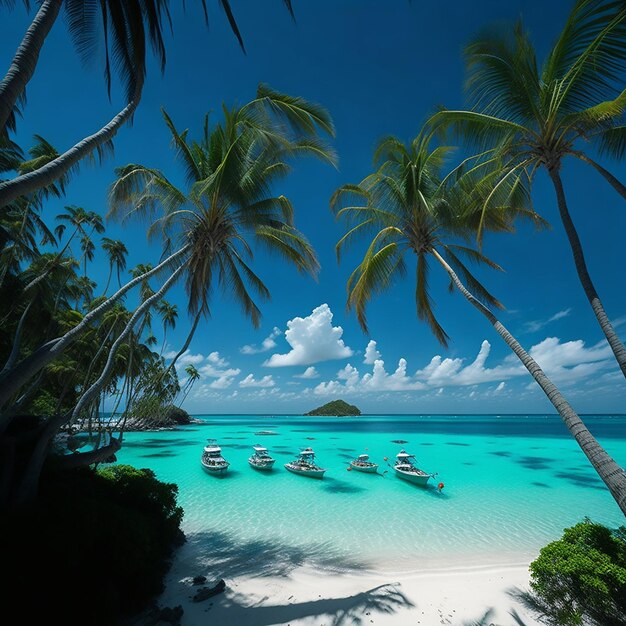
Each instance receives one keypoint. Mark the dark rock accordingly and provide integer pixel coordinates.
(399, 441)
(169, 615)
(208, 592)
(177, 415)
(199, 580)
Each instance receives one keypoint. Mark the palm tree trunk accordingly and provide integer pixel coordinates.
(25, 60)
(13, 379)
(616, 184)
(106, 288)
(47, 174)
(17, 340)
(581, 267)
(192, 332)
(99, 384)
(610, 472)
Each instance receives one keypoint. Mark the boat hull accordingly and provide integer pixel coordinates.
(264, 467)
(416, 479)
(371, 469)
(307, 473)
(215, 471)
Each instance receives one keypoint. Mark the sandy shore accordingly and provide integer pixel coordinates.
(259, 594)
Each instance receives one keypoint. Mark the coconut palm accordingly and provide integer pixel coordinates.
(532, 117)
(230, 174)
(193, 375)
(121, 27)
(116, 253)
(404, 210)
(168, 313)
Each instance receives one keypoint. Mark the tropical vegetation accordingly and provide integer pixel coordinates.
(336, 408)
(580, 578)
(95, 547)
(408, 212)
(527, 116)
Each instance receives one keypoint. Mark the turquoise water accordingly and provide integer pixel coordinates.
(512, 483)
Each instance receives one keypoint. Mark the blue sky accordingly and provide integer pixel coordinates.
(379, 68)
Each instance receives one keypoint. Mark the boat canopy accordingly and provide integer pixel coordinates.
(259, 449)
(404, 455)
(212, 448)
(307, 452)
(363, 457)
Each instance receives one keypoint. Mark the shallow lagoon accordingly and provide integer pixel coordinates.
(512, 483)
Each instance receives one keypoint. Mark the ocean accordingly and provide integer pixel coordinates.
(512, 483)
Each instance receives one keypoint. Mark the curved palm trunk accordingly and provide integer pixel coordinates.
(25, 60)
(16, 377)
(17, 340)
(583, 274)
(616, 184)
(47, 174)
(99, 384)
(610, 472)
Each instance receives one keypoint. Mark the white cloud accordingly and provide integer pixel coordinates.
(215, 359)
(371, 353)
(309, 373)
(224, 381)
(535, 325)
(564, 362)
(211, 366)
(620, 321)
(267, 344)
(186, 358)
(312, 339)
(249, 381)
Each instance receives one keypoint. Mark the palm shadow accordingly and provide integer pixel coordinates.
(349, 610)
(221, 555)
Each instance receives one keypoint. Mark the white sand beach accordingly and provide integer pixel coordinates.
(305, 595)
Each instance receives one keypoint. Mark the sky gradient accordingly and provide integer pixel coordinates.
(380, 68)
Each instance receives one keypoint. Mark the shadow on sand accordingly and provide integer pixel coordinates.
(220, 555)
(217, 554)
(351, 610)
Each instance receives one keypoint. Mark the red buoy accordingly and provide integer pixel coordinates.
(440, 486)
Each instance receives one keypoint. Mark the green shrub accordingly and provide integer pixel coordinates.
(96, 546)
(581, 578)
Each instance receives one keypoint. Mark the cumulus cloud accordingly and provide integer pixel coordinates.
(371, 353)
(309, 373)
(250, 381)
(312, 339)
(210, 366)
(535, 325)
(267, 344)
(186, 358)
(564, 362)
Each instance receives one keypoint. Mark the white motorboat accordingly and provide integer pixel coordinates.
(363, 464)
(305, 465)
(407, 470)
(212, 460)
(261, 459)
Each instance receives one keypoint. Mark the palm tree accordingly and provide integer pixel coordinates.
(404, 205)
(532, 117)
(192, 376)
(168, 313)
(116, 253)
(125, 28)
(230, 172)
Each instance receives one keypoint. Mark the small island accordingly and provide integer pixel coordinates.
(336, 408)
